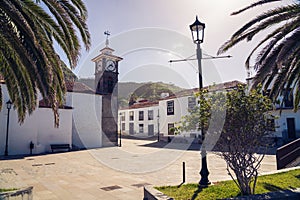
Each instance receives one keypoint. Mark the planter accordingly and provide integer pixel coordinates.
(25, 193)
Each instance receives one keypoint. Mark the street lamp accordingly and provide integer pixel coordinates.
(197, 29)
(158, 125)
(8, 106)
(120, 143)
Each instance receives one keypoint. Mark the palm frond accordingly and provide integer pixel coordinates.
(28, 60)
(253, 5)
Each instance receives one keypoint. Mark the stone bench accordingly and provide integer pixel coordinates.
(60, 146)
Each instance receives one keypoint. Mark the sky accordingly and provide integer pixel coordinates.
(147, 34)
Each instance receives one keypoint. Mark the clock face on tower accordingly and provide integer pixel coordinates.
(98, 66)
(110, 66)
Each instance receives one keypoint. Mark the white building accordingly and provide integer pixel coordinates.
(140, 119)
(168, 111)
(286, 122)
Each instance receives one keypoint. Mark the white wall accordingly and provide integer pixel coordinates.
(281, 123)
(86, 122)
(38, 128)
(136, 120)
(180, 110)
(46, 132)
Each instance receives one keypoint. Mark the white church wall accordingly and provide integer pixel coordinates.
(37, 127)
(86, 122)
(20, 135)
(48, 134)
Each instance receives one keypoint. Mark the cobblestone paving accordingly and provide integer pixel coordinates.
(111, 173)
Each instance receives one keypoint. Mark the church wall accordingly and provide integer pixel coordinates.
(38, 128)
(47, 134)
(86, 125)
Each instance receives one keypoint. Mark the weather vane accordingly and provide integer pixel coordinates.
(107, 33)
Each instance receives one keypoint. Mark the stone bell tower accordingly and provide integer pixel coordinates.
(106, 84)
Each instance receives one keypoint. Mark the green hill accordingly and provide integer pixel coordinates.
(135, 91)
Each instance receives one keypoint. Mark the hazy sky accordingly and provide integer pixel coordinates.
(148, 33)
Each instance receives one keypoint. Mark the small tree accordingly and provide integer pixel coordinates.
(244, 120)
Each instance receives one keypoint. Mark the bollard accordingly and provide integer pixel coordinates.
(31, 146)
(183, 172)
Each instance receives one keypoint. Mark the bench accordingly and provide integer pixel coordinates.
(60, 146)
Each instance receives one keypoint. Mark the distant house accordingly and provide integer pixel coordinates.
(144, 119)
(286, 125)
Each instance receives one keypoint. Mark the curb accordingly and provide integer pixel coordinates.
(150, 193)
(24, 193)
(283, 194)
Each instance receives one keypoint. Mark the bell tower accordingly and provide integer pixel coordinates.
(106, 85)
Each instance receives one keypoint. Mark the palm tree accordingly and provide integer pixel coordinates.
(31, 32)
(278, 60)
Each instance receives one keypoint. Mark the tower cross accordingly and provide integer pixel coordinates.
(107, 33)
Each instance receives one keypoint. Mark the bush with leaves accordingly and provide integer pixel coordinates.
(235, 123)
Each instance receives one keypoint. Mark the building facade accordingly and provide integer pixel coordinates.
(286, 125)
(167, 112)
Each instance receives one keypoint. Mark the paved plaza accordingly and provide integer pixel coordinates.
(111, 173)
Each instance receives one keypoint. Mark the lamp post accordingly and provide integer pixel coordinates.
(197, 29)
(8, 106)
(120, 143)
(158, 125)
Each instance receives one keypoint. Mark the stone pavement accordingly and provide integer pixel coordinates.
(111, 173)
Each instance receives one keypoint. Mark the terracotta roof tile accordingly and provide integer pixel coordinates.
(43, 104)
(79, 87)
(188, 92)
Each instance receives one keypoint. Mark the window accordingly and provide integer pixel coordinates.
(170, 107)
(171, 129)
(288, 98)
(123, 127)
(191, 103)
(141, 115)
(122, 116)
(141, 128)
(150, 114)
(131, 115)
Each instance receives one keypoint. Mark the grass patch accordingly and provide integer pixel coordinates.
(7, 190)
(228, 189)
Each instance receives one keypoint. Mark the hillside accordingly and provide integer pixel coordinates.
(150, 90)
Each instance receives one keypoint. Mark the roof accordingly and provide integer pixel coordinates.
(107, 55)
(188, 92)
(44, 104)
(220, 86)
(79, 87)
(224, 86)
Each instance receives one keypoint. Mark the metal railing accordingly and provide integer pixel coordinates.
(287, 154)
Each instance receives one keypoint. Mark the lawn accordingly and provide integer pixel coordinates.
(7, 190)
(227, 189)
